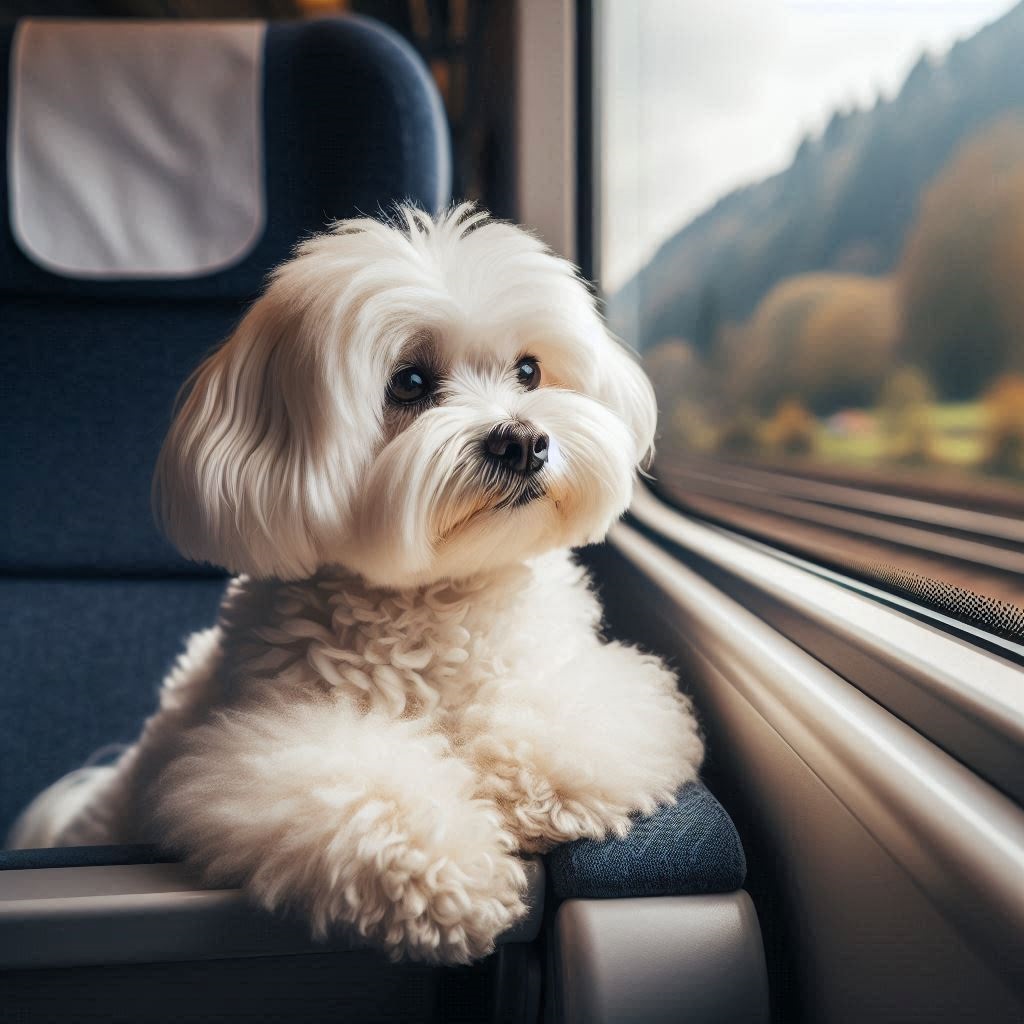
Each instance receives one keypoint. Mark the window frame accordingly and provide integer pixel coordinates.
(958, 839)
(589, 20)
(966, 699)
(914, 726)
(894, 651)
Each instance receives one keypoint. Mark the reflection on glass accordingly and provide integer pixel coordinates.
(813, 229)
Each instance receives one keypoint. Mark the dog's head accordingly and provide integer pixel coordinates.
(412, 403)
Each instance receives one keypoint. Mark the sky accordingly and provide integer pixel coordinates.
(702, 96)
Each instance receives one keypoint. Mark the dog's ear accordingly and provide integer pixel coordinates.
(232, 481)
(624, 387)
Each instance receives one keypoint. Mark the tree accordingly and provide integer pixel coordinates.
(846, 345)
(793, 430)
(1004, 412)
(826, 339)
(682, 390)
(740, 435)
(962, 267)
(905, 416)
(708, 321)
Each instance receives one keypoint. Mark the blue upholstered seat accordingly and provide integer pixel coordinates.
(352, 124)
(93, 604)
(687, 848)
(82, 857)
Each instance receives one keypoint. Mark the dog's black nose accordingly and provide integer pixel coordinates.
(519, 447)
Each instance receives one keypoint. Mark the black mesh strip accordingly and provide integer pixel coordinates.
(1001, 618)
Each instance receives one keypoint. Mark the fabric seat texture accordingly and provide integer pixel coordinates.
(94, 605)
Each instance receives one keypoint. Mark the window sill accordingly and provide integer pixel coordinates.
(966, 699)
(777, 636)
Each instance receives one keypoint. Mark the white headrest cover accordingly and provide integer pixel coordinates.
(136, 148)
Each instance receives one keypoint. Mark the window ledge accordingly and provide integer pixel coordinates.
(963, 697)
(957, 836)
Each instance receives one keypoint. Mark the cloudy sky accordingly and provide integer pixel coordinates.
(701, 96)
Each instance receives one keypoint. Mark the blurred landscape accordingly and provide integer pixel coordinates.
(865, 307)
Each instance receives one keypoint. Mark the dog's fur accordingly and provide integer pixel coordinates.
(407, 685)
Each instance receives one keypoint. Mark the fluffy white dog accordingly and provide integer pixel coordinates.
(407, 686)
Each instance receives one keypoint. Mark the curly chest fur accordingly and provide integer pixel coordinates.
(405, 653)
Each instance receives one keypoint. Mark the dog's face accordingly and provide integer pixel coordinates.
(412, 404)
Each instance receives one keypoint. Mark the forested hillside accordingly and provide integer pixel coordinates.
(864, 197)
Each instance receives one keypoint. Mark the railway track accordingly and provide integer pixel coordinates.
(867, 527)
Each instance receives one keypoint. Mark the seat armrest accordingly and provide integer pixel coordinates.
(154, 913)
(697, 959)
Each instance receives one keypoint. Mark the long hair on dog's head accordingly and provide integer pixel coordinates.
(413, 401)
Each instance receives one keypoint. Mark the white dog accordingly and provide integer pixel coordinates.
(407, 686)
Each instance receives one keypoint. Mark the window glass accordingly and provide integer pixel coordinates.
(811, 225)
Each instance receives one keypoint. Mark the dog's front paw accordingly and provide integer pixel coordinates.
(455, 909)
(419, 894)
(540, 809)
(580, 755)
(428, 895)
(365, 825)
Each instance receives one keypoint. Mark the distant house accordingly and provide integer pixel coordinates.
(851, 423)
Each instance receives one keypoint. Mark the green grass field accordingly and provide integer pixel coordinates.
(958, 438)
(957, 442)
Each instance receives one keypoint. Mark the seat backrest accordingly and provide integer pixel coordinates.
(153, 173)
(347, 122)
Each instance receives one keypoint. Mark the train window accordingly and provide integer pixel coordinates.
(811, 223)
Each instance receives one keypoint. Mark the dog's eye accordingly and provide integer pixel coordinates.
(410, 384)
(528, 372)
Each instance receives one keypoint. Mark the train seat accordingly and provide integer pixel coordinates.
(146, 201)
